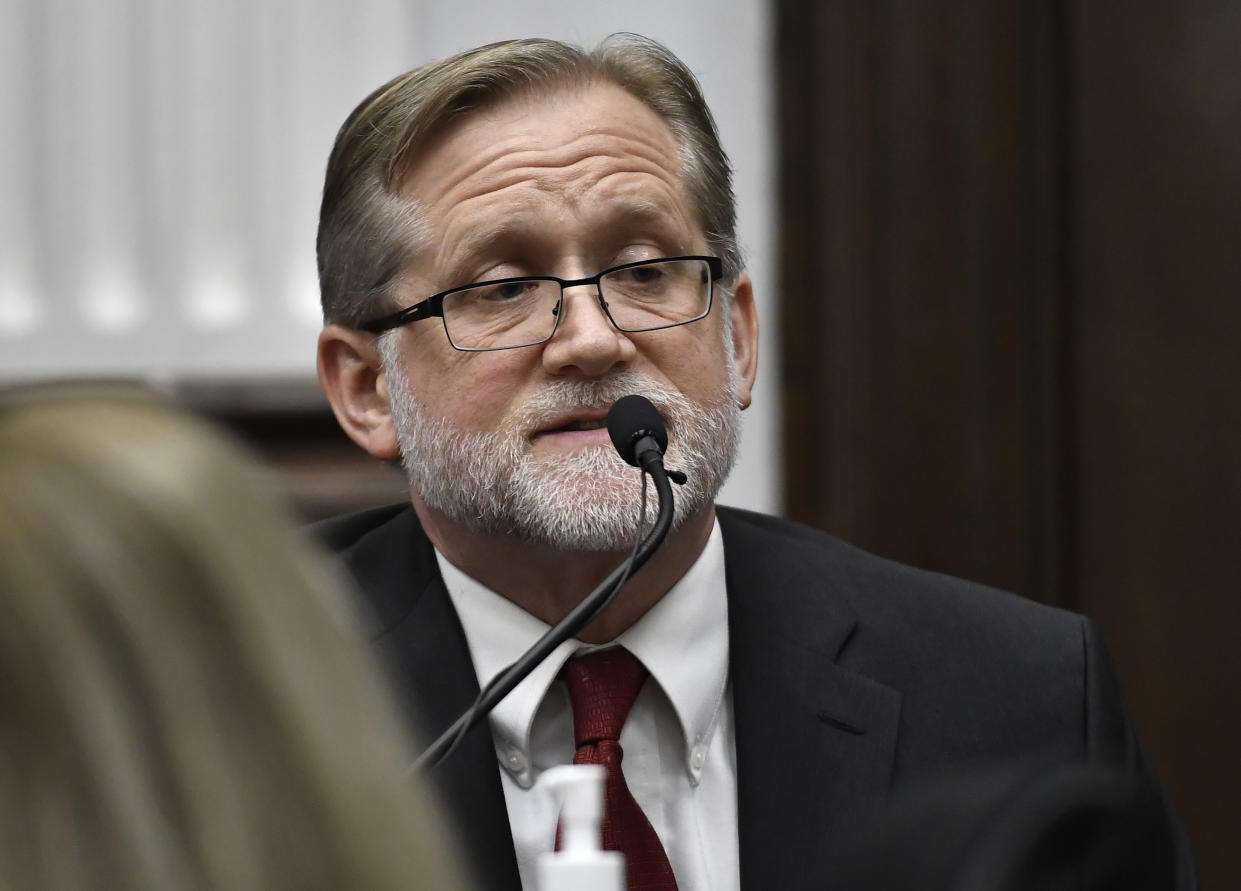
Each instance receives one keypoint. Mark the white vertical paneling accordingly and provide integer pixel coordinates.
(283, 90)
(161, 106)
(55, 177)
(95, 126)
(213, 127)
(21, 314)
(333, 55)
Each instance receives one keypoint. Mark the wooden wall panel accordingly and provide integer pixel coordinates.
(923, 261)
(1012, 326)
(1159, 369)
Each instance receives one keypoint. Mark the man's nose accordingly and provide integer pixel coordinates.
(586, 342)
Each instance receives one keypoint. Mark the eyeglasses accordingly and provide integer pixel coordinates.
(517, 312)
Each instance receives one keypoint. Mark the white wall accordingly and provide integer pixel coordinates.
(161, 173)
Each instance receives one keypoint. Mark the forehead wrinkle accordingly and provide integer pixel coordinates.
(629, 202)
(570, 176)
(626, 206)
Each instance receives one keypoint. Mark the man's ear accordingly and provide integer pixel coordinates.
(352, 376)
(745, 338)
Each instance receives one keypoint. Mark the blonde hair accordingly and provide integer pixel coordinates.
(184, 699)
(368, 230)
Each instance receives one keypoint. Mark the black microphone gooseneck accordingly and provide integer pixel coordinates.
(639, 435)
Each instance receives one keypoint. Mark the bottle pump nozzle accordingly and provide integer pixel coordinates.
(581, 863)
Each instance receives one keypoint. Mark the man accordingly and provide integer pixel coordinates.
(510, 240)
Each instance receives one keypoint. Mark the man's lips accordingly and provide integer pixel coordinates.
(575, 423)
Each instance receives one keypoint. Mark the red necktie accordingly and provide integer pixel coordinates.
(602, 688)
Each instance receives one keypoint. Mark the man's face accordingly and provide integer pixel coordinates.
(565, 184)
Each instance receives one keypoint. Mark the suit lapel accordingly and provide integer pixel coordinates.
(814, 739)
(420, 643)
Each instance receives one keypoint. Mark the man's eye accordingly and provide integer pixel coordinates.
(507, 290)
(642, 275)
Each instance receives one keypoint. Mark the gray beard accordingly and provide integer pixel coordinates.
(587, 500)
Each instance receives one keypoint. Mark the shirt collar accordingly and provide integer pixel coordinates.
(692, 617)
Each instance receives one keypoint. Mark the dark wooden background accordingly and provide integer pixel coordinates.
(1012, 327)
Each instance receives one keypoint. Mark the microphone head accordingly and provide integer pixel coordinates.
(631, 418)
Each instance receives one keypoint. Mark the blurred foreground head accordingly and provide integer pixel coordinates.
(184, 699)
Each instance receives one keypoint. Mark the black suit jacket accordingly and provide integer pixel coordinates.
(852, 676)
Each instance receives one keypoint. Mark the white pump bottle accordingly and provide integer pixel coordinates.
(581, 864)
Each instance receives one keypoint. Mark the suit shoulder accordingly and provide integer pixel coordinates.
(899, 595)
(342, 532)
(388, 555)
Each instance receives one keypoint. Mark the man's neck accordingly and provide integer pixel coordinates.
(547, 582)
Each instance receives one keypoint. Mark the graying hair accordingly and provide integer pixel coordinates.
(368, 231)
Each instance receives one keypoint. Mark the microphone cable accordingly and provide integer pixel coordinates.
(472, 716)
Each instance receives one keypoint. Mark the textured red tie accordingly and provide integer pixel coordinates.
(602, 688)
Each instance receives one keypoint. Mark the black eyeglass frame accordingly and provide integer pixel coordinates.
(434, 305)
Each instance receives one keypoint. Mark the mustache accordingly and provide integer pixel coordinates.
(595, 395)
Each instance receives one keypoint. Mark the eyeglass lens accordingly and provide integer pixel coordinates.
(654, 295)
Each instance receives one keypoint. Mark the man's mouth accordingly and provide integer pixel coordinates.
(593, 424)
(587, 420)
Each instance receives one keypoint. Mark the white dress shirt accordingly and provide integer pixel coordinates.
(680, 759)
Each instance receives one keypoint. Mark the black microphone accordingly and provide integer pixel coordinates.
(638, 432)
(636, 429)
(634, 421)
